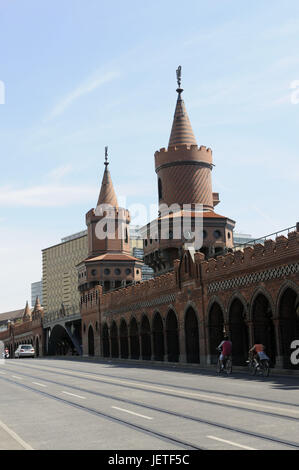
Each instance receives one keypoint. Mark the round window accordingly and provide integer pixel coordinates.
(128, 271)
(106, 271)
(93, 272)
(117, 271)
(217, 234)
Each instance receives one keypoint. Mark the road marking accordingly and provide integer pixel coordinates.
(231, 443)
(209, 398)
(15, 436)
(130, 412)
(1, 372)
(73, 395)
(17, 377)
(37, 383)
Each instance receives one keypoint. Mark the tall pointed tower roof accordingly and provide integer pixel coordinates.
(181, 132)
(26, 312)
(107, 193)
(37, 306)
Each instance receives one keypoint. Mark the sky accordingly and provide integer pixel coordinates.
(77, 75)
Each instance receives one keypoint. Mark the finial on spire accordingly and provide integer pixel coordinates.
(106, 157)
(179, 79)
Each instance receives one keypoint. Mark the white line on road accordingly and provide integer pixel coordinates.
(131, 412)
(73, 395)
(181, 393)
(37, 383)
(15, 436)
(231, 443)
(1, 372)
(17, 377)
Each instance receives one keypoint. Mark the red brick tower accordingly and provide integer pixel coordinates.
(109, 262)
(184, 173)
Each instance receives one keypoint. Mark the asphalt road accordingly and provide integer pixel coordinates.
(61, 404)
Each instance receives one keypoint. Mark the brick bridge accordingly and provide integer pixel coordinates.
(252, 294)
(180, 316)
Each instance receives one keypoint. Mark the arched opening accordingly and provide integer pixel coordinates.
(114, 340)
(172, 336)
(158, 338)
(216, 325)
(288, 324)
(263, 327)
(90, 341)
(60, 343)
(37, 347)
(105, 336)
(160, 192)
(238, 333)
(124, 340)
(192, 337)
(134, 339)
(146, 347)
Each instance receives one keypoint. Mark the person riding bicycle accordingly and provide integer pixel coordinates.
(258, 353)
(226, 349)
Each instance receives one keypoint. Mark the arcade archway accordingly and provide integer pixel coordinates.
(192, 336)
(172, 335)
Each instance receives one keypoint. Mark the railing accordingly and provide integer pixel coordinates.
(262, 240)
(64, 312)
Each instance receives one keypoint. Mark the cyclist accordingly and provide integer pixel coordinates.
(258, 352)
(226, 349)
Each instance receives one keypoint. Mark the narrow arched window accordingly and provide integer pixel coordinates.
(160, 188)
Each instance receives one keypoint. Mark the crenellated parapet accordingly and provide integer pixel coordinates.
(90, 299)
(183, 154)
(146, 290)
(271, 253)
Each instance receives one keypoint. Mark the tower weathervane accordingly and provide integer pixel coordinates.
(179, 78)
(179, 75)
(106, 157)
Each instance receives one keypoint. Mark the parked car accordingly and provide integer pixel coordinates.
(25, 350)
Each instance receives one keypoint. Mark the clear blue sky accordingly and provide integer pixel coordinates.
(82, 74)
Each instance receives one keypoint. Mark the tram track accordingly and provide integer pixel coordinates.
(93, 411)
(170, 393)
(198, 420)
(179, 387)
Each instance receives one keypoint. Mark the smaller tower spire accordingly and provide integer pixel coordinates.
(181, 132)
(26, 312)
(107, 193)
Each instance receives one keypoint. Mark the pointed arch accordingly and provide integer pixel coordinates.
(191, 325)
(134, 339)
(145, 333)
(90, 341)
(238, 329)
(288, 314)
(263, 326)
(114, 340)
(158, 337)
(216, 330)
(124, 339)
(105, 339)
(172, 336)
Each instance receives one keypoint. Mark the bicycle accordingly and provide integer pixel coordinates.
(262, 367)
(227, 365)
